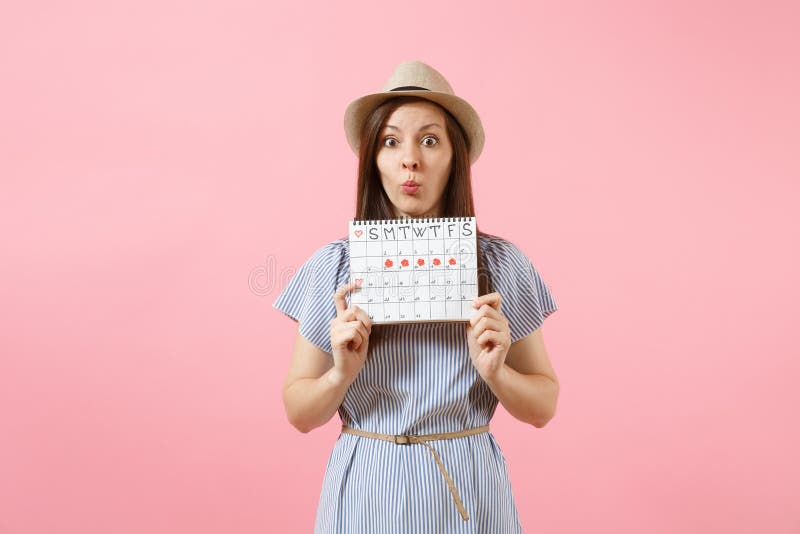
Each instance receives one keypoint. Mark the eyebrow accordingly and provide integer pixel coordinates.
(422, 128)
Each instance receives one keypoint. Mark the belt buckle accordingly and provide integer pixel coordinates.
(402, 440)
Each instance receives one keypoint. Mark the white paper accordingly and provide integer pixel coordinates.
(414, 270)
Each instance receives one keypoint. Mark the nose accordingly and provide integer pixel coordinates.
(410, 159)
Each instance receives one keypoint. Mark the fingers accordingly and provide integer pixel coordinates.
(356, 331)
(355, 313)
(354, 337)
(488, 324)
(486, 311)
(500, 339)
(350, 334)
(339, 296)
(343, 333)
(350, 328)
(492, 299)
(363, 335)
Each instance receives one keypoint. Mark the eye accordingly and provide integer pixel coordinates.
(386, 141)
(433, 138)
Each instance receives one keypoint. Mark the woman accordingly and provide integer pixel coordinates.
(431, 386)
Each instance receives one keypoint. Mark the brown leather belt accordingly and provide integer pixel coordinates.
(423, 439)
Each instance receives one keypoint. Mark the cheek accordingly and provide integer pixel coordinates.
(443, 169)
(384, 164)
(384, 156)
(380, 163)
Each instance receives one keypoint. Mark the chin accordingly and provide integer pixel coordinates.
(411, 208)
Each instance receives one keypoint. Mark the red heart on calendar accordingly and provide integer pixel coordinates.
(452, 261)
(420, 262)
(358, 233)
(358, 280)
(437, 261)
(388, 263)
(404, 262)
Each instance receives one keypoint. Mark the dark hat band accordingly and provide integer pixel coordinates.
(410, 88)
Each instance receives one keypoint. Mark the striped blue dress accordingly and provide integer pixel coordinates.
(417, 380)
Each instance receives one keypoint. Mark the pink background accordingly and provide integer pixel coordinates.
(164, 166)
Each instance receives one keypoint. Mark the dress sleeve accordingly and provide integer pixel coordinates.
(526, 299)
(308, 297)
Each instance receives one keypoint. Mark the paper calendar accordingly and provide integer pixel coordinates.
(414, 270)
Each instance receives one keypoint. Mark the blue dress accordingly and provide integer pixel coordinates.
(418, 379)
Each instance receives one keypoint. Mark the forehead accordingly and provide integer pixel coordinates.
(415, 112)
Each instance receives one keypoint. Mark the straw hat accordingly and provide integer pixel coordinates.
(417, 79)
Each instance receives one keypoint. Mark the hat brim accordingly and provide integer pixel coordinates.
(359, 109)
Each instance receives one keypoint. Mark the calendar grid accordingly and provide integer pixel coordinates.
(414, 270)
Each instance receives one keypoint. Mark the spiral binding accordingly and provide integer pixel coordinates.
(424, 220)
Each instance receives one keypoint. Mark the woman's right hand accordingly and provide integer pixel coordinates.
(349, 336)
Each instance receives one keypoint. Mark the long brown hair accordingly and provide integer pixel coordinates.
(372, 203)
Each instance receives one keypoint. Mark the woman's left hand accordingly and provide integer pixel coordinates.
(488, 336)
